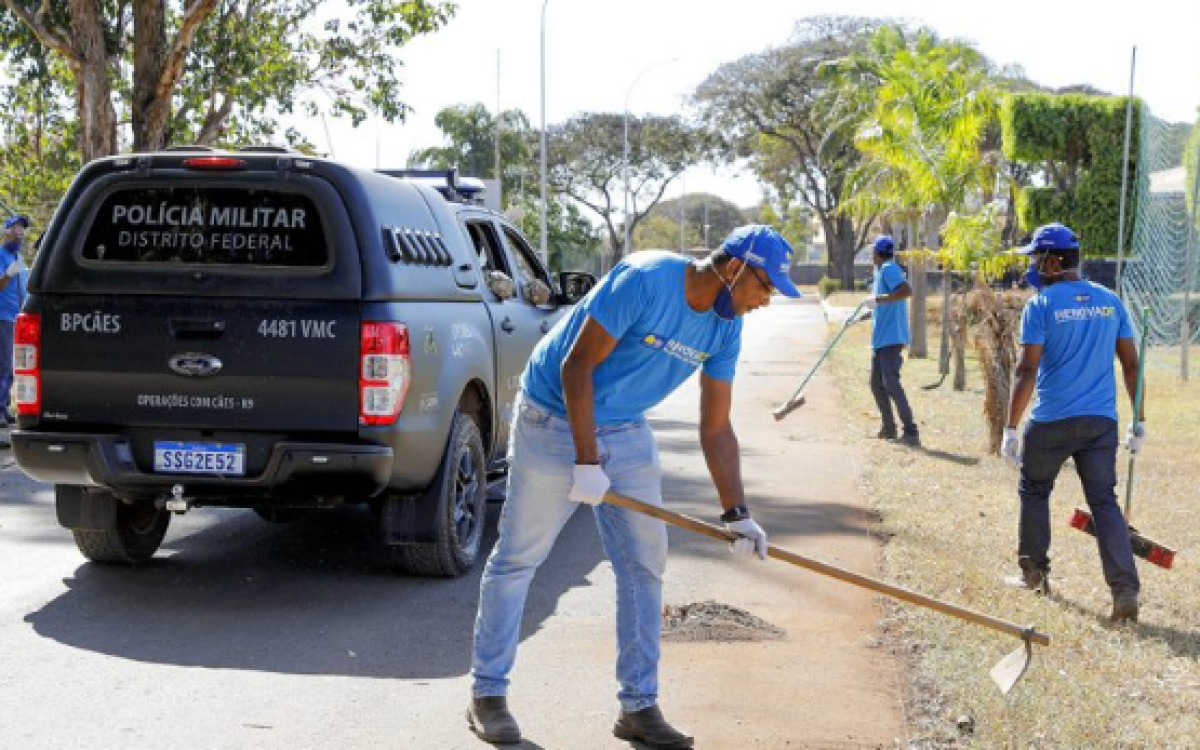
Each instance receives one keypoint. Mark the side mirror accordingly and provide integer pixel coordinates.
(537, 292)
(501, 285)
(574, 285)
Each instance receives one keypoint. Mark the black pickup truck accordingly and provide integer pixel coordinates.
(264, 330)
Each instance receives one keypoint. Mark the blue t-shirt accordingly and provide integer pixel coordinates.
(891, 318)
(1077, 323)
(13, 293)
(661, 340)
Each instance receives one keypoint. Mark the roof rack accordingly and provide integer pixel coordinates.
(445, 181)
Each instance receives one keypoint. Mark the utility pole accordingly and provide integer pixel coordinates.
(499, 122)
(1125, 175)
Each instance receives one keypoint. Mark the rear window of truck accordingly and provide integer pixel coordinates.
(207, 226)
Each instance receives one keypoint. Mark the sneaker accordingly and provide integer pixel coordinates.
(650, 728)
(887, 433)
(911, 439)
(1037, 579)
(490, 720)
(1125, 609)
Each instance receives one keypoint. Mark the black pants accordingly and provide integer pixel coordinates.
(885, 386)
(1092, 443)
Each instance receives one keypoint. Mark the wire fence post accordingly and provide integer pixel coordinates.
(1125, 175)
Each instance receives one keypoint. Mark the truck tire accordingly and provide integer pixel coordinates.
(134, 538)
(460, 493)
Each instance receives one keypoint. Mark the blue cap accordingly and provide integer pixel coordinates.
(1050, 238)
(884, 245)
(12, 221)
(761, 246)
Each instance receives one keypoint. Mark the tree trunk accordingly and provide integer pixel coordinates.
(842, 242)
(960, 342)
(148, 112)
(919, 346)
(93, 88)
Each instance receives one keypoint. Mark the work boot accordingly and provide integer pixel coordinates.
(490, 720)
(650, 728)
(887, 433)
(1125, 609)
(910, 438)
(1037, 578)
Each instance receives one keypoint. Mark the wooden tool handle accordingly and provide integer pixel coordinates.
(896, 592)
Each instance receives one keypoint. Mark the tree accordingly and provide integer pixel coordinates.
(922, 131)
(778, 110)
(571, 240)
(38, 146)
(195, 70)
(470, 131)
(586, 163)
(721, 216)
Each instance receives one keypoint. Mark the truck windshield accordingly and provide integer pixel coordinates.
(206, 226)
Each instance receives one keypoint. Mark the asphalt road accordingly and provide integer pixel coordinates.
(246, 634)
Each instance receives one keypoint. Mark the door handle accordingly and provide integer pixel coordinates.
(195, 328)
(545, 326)
(507, 325)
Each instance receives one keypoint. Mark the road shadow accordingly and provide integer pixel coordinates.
(311, 598)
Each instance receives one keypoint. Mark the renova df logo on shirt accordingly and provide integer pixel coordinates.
(679, 351)
(1081, 314)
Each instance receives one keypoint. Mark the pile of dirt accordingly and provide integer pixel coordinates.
(711, 621)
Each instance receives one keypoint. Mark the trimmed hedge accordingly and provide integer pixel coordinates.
(1080, 135)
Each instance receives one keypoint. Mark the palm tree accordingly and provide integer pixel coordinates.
(923, 131)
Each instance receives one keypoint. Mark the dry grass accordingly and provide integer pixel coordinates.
(949, 512)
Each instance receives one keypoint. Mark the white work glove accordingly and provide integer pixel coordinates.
(14, 268)
(1135, 437)
(588, 484)
(752, 541)
(1010, 447)
(870, 302)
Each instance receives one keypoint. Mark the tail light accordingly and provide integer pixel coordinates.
(385, 372)
(215, 163)
(27, 368)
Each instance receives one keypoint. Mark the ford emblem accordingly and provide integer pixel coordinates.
(194, 365)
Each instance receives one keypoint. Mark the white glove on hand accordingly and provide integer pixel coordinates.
(1010, 447)
(1135, 437)
(14, 268)
(752, 541)
(588, 484)
(870, 303)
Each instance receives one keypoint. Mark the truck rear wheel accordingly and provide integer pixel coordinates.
(135, 536)
(460, 493)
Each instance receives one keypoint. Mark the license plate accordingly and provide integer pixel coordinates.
(199, 458)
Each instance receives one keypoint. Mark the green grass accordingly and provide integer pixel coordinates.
(949, 513)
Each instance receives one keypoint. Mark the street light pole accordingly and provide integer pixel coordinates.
(625, 164)
(542, 209)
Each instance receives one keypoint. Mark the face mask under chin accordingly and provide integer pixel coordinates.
(723, 307)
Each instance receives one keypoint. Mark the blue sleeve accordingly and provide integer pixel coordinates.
(618, 301)
(1033, 323)
(723, 364)
(893, 277)
(1124, 326)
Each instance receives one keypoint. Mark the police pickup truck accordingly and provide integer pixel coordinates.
(259, 329)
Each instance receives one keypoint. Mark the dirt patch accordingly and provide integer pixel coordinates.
(711, 621)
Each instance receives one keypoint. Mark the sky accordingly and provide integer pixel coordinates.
(652, 54)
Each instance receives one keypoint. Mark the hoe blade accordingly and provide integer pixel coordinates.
(1011, 668)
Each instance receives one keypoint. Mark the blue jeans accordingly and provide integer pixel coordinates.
(541, 461)
(886, 362)
(6, 364)
(1092, 443)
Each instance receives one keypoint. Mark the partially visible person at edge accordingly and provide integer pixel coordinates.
(580, 429)
(12, 296)
(889, 335)
(1070, 331)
